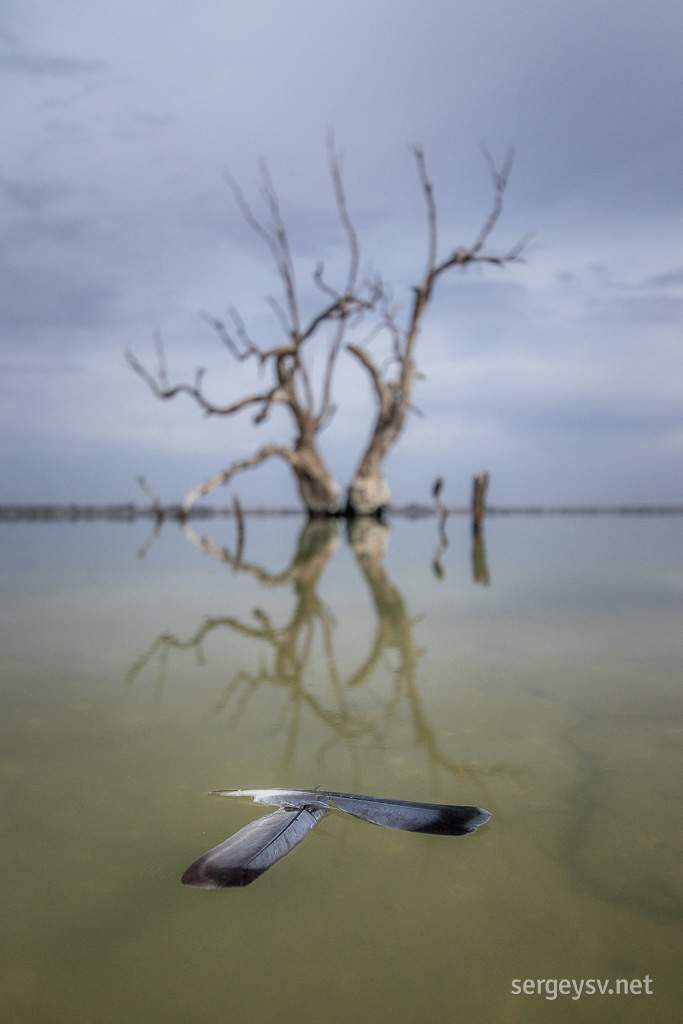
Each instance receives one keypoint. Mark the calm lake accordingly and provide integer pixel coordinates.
(539, 677)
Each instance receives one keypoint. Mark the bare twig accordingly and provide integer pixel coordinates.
(248, 346)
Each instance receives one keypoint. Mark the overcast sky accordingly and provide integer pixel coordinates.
(562, 376)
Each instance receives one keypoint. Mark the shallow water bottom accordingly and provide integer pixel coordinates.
(550, 696)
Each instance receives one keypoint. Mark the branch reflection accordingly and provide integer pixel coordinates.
(348, 704)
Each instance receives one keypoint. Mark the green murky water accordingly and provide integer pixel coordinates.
(540, 678)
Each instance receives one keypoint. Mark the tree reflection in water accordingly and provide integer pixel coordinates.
(348, 721)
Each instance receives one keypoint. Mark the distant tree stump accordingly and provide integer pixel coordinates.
(480, 486)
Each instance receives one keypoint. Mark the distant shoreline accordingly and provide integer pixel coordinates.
(131, 512)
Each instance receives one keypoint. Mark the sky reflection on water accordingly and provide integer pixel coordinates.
(551, 696)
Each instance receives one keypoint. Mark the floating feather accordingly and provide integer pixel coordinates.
(252, 850)
(255, 848)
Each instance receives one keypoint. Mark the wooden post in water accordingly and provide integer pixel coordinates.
(479, 567)
(480, 486)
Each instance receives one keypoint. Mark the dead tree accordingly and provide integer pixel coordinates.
(291, 384)
(291, 381)
(369, 491)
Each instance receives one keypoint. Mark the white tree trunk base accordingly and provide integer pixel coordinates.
(368, 495)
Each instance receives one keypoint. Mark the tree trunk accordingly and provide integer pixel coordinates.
(369, 493)
(318, 489)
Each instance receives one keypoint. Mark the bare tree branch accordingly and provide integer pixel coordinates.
(369, 492)
(284, 255)
(268, 451)
(473, 253)
(335, 161)
(281, 317)
(248, 346)
(162, 389)
(499, 179)
(346, 305)
(381, 386)
(322, 284)
(428, 190)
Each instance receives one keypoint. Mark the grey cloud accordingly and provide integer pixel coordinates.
(39, 370)
(636, 310)
(590, 420)
(670, 279)
(59, 229)
(53, 298)
(33, 219)
(492, 295)
(135, 126)
(153, 120)
(32, 194)
(66, 129)
(602, 298)
(23, 63)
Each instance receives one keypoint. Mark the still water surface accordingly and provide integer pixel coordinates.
(539, 678)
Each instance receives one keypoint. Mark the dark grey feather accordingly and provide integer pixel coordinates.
(435, 819)
(252, 850)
